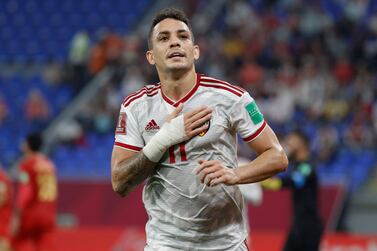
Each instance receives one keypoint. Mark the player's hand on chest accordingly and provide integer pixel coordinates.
(218, 125)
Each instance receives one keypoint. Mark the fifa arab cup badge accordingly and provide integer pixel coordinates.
(254, 113)
(202, 133)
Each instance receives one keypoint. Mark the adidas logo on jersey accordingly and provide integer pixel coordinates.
(151, 126)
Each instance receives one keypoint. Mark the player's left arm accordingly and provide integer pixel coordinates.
(23, 198)
(25, 190)
(271, 160)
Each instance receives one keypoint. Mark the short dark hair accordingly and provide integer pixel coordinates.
(168, 13)
(34, 141)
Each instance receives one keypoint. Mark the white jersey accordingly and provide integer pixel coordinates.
(185, 214)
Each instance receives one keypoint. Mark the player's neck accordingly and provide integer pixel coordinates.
(176, 86)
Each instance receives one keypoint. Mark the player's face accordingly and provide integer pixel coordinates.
(293, 143)
(173, 47)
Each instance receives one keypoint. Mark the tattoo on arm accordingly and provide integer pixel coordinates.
(131, 172)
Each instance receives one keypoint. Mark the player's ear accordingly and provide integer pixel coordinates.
(150, 57)
(196, 52)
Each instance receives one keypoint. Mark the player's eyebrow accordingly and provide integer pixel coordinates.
(182, 30)
(163, 33)
(168, 32)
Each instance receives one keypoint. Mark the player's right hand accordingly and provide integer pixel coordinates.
(194, 120)
(177, 128)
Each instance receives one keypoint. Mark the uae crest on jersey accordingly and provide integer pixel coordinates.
(202, 133)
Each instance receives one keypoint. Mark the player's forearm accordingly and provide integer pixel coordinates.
(266, 165)
(126, 175)
(130, 172)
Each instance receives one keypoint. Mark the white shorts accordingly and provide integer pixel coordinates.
(241, 247)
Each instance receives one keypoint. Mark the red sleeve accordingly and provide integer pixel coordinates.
(24, 196)
(25, 193)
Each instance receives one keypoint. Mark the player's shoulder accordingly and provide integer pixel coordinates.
(28, 163)
(45, 163)
(221, 87)
(147, 91)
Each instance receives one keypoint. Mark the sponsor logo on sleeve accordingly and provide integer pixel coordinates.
(254, 113)
(121, 126)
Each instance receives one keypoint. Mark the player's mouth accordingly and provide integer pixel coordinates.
(176, 54)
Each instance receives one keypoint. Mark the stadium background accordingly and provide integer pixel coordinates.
(65, 67)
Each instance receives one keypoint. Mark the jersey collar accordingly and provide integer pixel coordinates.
(184, 98)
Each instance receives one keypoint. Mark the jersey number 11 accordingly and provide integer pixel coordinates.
(182, 152)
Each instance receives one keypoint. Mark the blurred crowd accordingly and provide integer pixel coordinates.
(36, 109)
(310, 64)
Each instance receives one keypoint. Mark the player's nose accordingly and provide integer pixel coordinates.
(175, 42)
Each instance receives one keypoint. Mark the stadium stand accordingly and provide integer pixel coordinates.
(37, 31)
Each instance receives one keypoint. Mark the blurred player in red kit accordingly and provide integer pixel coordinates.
(5, 210)
(36, 200)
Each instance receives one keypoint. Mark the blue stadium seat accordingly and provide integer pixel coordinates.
(51, 25)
